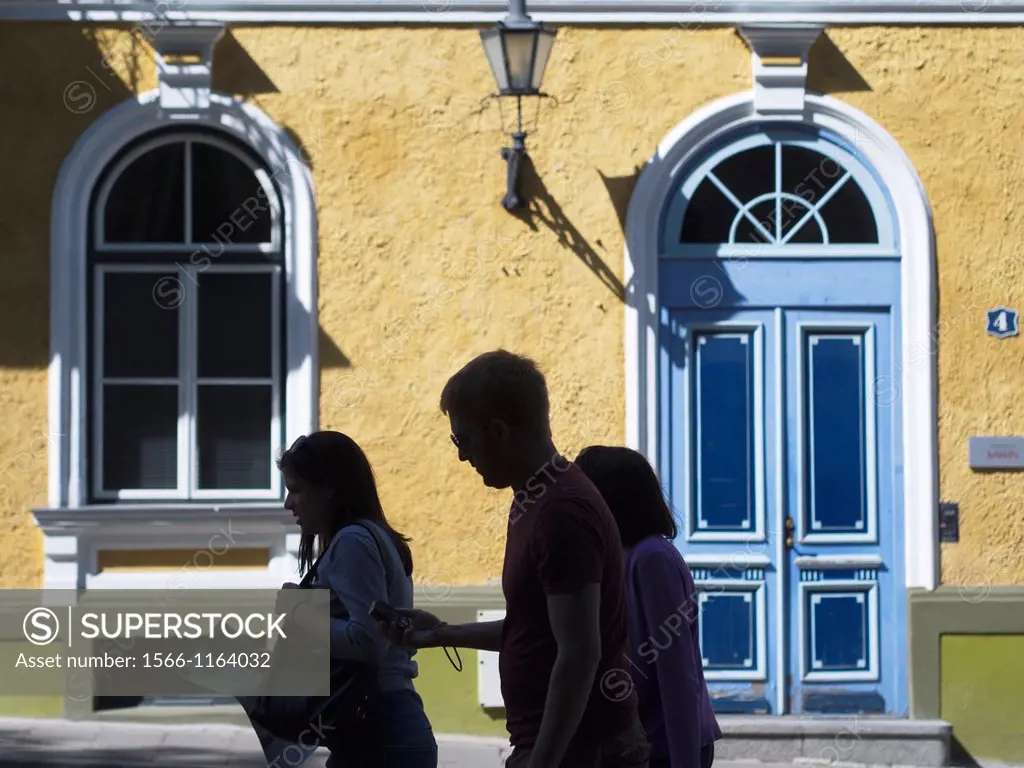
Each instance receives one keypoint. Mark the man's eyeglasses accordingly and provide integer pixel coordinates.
(455, 441)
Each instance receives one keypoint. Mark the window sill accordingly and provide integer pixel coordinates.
(77, 520)
(74, 537)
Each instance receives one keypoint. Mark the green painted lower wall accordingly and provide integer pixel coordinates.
(27, 705)
(450, 697)
(982, 694)
(967, 667)
(31, 706)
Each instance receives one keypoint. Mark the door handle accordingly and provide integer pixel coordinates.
(789, 525)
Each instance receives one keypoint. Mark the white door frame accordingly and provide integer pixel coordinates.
(915, 386)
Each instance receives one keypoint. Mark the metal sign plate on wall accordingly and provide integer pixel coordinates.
(949, 521)
(995, 452)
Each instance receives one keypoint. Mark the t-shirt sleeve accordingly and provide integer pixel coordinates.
(568, 548)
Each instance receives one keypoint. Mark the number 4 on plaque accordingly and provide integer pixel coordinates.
(1002, 323)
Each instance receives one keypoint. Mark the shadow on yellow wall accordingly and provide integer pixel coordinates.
(543, 209)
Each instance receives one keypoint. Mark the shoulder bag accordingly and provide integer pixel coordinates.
(345, 715)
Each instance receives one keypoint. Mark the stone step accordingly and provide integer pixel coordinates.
(832, 740)
(191, 736)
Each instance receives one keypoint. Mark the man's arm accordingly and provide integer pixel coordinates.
(569, 553)
(481, 635)
(420, 629)
(575, 623)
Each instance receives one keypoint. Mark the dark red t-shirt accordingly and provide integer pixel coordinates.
(561, 537)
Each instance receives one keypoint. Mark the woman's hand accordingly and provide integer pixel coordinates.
(412, 629)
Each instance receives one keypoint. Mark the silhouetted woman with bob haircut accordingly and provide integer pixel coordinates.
(664, 633)
(330, 486)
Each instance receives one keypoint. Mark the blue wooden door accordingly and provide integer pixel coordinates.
(779, 434)
(780, 453)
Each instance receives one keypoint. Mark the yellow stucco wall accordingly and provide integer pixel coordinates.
(421, 268)
(39, 134)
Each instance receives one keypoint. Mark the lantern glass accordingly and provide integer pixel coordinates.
(495, 51)
(519, 45)
(518, 56)
(545, 42)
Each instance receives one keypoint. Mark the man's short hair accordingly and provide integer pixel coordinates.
(500, 385)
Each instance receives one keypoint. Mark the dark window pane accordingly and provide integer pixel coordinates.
(147, 202)
(849, 217)
(759, 227)
(228, 203)
(140, 437)
(235, 325)
(724, 406)
(748, 174)
(708, 216)
(811, 175)
(807, 173)
(234, 437)
(809, 233)
(799, 223)
(793, 213)
(140, 324)
(836, 423)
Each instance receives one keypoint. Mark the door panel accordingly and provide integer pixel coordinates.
(841, 480)
(718, 381)
(781, 465)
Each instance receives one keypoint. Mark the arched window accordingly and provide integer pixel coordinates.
(779, 192)
(186, 328)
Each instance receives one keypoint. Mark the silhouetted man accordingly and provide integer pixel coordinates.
(562, 645)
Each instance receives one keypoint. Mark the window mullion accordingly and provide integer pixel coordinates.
(111, 283)
(278, 424)
(99, 317)
(186, 390)
(188, 191)
(778, 191)
(186, 423)
(816, 209)
(743, 209)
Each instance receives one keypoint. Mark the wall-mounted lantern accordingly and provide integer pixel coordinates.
(518, 50)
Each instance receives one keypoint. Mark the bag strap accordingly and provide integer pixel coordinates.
(307, 579)
(381, 550)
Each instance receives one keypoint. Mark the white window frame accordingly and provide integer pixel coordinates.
(188, 139)
(91, 157)
(852, 171)
(913, 220)
(187, 382)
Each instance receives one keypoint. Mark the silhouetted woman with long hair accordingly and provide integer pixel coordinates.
(331, 485)
(664, 632)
